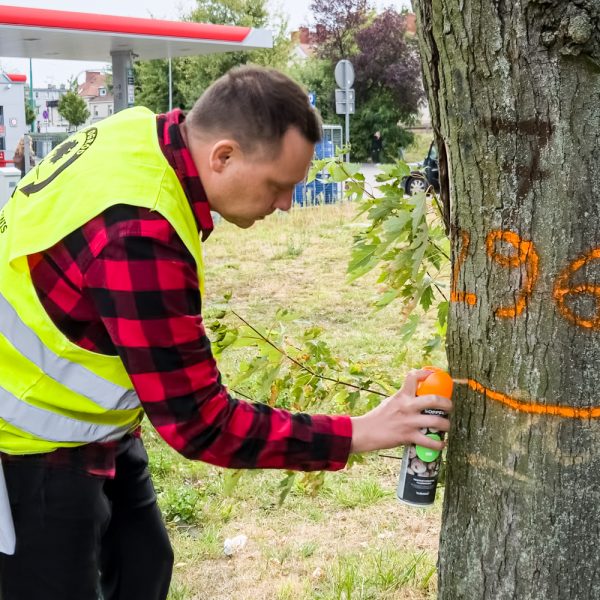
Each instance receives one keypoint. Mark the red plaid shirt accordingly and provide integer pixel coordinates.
(125, 284)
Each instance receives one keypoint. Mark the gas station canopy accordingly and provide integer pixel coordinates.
(55, 34)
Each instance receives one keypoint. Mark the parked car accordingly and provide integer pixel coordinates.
(425, 176)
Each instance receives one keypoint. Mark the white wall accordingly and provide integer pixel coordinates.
(54, 123)
(12, 100)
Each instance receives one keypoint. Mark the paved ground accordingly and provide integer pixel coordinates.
(369, 170)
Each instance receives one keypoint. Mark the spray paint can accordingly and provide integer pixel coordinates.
(420, 467)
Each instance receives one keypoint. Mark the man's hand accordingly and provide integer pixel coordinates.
(398, 420)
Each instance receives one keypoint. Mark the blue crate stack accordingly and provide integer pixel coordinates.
(318, 191)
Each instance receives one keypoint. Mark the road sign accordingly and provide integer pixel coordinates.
(344, 102)
(45, 115)
(344, 74)
(130, 88)
(312, 98)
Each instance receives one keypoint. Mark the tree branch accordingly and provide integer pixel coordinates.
(303, 366)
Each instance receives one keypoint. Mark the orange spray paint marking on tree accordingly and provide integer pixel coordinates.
(455, 295)
(525, 254)
(533, 408)
(563, 289)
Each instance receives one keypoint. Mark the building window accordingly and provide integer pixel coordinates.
(110, 110)
(102, 91)
(95, 111)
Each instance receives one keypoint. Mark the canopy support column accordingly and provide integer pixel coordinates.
(122, 69)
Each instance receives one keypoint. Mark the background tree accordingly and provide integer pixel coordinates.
(29, 113)
(152, 84)
(388, 85)
(192, 75)
(337, 22)
(317, 76)
(388, 73)
(73, 109)
(513, 89)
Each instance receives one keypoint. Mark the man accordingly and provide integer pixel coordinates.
(376, 147)
(101, 285)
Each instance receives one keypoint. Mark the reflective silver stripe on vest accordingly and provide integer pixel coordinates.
(72, 375)
(54, 427)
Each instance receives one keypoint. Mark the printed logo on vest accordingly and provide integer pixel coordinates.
(59, 159)
(3, 223)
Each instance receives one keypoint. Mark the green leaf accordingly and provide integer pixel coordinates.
(427, 298)
(432, 344)
(408, 330)
(387, 297)
(286, 315)
(231, 478)
(286, 485)
(338, 173)
(443, 309)
(419, 201)
(353, 399)
(417, 259)
(340, 398)
(397, 223)
(363, 260)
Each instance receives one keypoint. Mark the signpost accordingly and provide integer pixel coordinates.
(131, 87)
(344, 97)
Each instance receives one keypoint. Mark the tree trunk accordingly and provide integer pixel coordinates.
(514, 91)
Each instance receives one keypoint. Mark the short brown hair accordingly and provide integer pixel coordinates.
(255, 106)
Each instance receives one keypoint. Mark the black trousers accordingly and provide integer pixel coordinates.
(81, 537)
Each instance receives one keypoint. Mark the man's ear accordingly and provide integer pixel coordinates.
(222, 153)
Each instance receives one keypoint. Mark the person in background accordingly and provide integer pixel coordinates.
(376, 147)
(101, 298)
(19, 155)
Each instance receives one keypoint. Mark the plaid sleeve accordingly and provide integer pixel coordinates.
(145, 288)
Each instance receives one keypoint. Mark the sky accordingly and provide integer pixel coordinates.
(56, 72)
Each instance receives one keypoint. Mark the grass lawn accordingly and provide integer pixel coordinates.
(352, 541)
(417, 151)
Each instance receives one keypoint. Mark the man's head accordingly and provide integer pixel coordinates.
(252, 136)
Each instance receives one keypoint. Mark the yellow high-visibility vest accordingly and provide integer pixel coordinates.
(52, 392)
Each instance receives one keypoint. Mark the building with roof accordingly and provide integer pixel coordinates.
(303, 43)
(94, 90)
(45, 105)
(12, 111)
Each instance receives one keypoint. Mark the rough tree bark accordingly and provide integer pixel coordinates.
(514, 90)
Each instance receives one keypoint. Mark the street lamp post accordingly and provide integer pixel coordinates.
(31, 104)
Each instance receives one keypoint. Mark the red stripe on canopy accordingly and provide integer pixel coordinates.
(59, 19)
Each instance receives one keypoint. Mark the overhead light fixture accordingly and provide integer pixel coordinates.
(31, 39)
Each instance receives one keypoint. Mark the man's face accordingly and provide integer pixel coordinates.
(244, 187)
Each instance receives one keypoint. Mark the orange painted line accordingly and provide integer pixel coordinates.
(456, 296)
(532, 408)
(525, 254)
(562, 290)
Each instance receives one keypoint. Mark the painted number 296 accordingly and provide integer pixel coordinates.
(523, 255)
